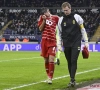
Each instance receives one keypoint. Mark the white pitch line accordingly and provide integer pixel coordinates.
(18, 59)
(26, 85)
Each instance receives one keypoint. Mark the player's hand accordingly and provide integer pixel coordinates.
(43, 17)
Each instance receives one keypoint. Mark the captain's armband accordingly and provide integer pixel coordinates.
(81, 26)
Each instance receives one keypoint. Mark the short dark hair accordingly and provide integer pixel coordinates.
(44, 10)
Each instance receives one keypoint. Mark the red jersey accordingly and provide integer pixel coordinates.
(49, 31)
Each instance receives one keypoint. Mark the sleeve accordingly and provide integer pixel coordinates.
(83, 31)
(80, 20)
(59, 31)
(40, 21)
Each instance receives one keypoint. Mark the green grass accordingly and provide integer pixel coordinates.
(19, 68)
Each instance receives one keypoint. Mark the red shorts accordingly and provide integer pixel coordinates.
(48, 48)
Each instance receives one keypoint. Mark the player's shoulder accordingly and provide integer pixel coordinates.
(55, 16)
(40, 18)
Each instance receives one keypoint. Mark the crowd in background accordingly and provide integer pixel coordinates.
(48, 3)
(24, 22)
(3, 19)
(91, 21)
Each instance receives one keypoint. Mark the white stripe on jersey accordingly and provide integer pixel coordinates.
(48, 35)
(45, 32)
(49, 28)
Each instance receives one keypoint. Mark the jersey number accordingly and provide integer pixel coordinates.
(49, 22)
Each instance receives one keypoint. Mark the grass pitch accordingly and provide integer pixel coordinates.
(25, 71)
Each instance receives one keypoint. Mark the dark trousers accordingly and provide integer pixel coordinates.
(71, 54)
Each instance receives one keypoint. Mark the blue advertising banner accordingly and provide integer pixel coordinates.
(36, 47)
(19, 47)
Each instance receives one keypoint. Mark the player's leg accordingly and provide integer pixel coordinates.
(58, 58)
(51, 53)
(51, 67)
(47, 66)
(44, 54)
(58, 54)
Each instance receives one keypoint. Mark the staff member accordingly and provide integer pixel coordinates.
(71, 31)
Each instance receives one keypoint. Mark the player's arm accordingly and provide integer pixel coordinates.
(83, 31)
(41, 27)
(42, 22)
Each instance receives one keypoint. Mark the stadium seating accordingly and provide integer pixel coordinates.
(24, 21)
(48, 3)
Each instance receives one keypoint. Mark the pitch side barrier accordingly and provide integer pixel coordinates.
(34, 46)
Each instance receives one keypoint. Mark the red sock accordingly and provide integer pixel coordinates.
(51, 69)
(47, 68)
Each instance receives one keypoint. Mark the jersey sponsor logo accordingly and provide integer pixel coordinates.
(48, 22)
(73, 21)
(64, 23)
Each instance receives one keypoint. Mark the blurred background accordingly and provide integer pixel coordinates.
(18, 18)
